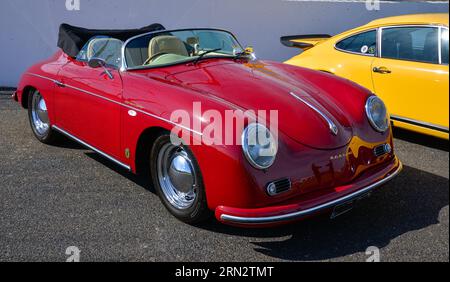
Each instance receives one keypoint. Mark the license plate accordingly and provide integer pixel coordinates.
(347, 206)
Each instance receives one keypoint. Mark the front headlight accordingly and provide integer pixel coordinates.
(377, 113)
(259, 146)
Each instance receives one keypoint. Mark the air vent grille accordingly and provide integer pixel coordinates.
(279, 186)
(382, 150)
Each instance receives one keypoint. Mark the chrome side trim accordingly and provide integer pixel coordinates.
(91, 147)
(441, 30)
(440, 45)
(43, 77)
(93, 94)
(379, 39)
(331, 124)
(303, 213)
(117, 103)
(420, 123)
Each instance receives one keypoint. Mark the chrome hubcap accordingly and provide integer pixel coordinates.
(176, 175)
(39, 114)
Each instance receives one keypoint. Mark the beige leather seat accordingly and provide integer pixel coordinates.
(166, 44)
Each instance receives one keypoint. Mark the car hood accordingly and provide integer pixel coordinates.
(303, 108)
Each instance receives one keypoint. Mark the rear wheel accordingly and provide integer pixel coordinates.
(38, 116)
(178, 181)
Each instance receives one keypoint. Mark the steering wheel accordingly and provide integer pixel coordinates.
(154, 57)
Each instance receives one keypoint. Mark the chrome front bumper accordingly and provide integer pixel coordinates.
(308, 212)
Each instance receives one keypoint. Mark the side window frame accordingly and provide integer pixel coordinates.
(441, 28)
(356, 34)
(380, 37)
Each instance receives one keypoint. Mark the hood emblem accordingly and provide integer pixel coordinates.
(332, 126)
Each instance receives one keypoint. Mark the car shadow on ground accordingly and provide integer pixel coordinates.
(421, 139)
(67, 143)
(412, 201)
(143, 181)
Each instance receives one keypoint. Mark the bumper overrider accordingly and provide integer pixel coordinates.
(285, 213)
(14, 96)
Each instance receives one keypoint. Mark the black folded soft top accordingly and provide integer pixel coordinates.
(72, 39)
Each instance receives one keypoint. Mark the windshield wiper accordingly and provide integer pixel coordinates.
(206, 53)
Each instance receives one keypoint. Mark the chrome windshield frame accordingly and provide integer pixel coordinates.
(124, 67)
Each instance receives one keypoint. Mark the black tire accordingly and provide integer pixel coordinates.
(47, 137)
(199, 211)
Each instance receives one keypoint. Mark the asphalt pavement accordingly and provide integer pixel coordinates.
(54, 197)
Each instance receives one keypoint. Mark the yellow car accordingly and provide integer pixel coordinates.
(402, 59)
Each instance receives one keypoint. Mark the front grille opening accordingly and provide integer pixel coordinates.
(280, 186)
(382, 150)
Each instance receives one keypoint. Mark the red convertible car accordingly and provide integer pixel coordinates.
(328, 144)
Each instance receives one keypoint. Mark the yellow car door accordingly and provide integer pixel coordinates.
(355, 55)
(411, 75)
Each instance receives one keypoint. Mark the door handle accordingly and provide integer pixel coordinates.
(59, 84)
(382, 70)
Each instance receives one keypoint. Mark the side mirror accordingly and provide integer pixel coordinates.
(96, 62)
(100, 63)
(250, 52)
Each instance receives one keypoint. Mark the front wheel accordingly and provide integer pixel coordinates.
(38, 116)
(178, 181)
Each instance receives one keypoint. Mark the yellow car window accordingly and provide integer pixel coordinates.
(418, 44)
(363, 43)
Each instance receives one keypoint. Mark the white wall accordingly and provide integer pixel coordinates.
(28, 28)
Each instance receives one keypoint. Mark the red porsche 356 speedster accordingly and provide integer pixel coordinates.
(116, 92)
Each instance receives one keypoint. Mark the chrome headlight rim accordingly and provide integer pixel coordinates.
(369, 114)
(245, 146)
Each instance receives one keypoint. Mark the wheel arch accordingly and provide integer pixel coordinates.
(143, 148)
(25, 95)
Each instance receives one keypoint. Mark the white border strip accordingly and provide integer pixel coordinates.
(365, 1)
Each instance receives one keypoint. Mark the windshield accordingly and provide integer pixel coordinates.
(174, 47)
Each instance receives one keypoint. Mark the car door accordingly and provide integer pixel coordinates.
(355, 58)
(88, 100)
(411, 74)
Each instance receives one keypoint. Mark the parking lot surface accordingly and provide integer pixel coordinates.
(54, 197)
